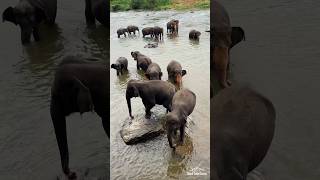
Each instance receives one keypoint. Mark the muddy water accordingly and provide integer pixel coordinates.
(28, 148)
(154, 159)
(280, 58)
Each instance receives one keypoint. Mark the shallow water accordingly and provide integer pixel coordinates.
(280, 58)
(28, 148)
(154, 158)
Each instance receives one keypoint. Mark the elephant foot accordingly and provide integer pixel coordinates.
(71, 175)
(229, 82)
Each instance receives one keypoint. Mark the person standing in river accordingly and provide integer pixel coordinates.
(221, 40)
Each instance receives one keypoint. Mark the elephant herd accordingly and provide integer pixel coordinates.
(178, 103)
(29, 14)
(243, 120)
(156, 31)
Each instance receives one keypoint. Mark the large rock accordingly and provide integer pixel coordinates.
(140, 129)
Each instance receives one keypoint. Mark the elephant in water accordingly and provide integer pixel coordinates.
(97, 9)
(243, 128)
(29, 14)
(78, 86)
(224, 38)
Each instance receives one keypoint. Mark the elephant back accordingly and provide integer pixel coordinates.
(49, 8)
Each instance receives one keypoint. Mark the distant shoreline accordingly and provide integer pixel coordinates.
(158, 5)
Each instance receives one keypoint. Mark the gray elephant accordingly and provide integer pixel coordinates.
(132, 29)
(158, 32)
(121, 65)
(97, 9)
(78, 86)
(183, 103)
(122, 31)
(173, 26)
(143, 61)
(151, 92)
(148, 31)
(243, 128)
(222, 33)
(175, 72)
(29, 14)
(194, 34)
(153, 72)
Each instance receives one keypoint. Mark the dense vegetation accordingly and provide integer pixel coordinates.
(124, 5)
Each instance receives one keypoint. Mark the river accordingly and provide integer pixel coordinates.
(154, 159)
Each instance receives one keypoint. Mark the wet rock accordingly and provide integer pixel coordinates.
(151, 45)
(140, 129)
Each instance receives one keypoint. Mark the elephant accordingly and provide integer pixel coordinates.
(243, 129)
(175, 72)
(183, 103)
(122, 31)
(237, 35)
(132, 29)
(121, 65)
(143, 61)
(153, 72)
(97, 9)
(158, 32)
(148, 31)
(29, 14)
(173, 26)
(224, 38)
(194, 34)
(152, 93)
(78, 86)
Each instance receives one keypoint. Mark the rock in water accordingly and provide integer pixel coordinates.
(140, 129)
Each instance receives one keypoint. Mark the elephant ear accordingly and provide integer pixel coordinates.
(184, 72)
(84, 99)
(8, 15)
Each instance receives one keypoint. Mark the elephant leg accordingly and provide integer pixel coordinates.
(148, 106)
(59, 124)
(118, 36)
(138, 65)
(36, 35)
(220, 58)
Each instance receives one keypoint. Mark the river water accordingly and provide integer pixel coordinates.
(28, 148)
(154, 159)
(280, 58)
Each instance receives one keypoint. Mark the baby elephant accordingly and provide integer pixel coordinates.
(121, 65)
(151, 92)
(143, 61)
(183, 103)
(122, 31)
(194, 34)
(132, 29)
(243, 128)
(175, 72)
(153, 72)
(148, 31)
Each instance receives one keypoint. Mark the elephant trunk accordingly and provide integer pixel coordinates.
(179, 80)
(169, 135)
(129, 106)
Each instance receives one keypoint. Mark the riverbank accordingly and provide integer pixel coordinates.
(125, 5)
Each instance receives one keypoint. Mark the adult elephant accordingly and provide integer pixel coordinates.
(29, 14)
(143, 61)
(133, 29)
(78, 86)
(148, 31)
(173, 26)
(97, 9)
(243, 128)
(151, 92)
